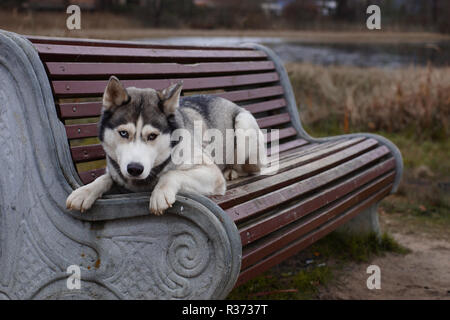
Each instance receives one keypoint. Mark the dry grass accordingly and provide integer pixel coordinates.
(409, 100)
(55, 22)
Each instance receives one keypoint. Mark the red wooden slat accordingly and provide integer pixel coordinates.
(71, 69)
(290, 160)
(87, 153)
(309, 239)
(297, 151)
(79, 110)
(89, 176)
(266, 106)
(121, 43)
(287, 146)
(280, 219)
(274, 120)
(250, 94)
(282, 134)
(97, 87)
(323, 147)
(280, 168)
(47, 51)
(92, 109)
(318, 150)
(77, 131)
(238, 195)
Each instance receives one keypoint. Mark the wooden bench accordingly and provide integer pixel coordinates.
(202, 247)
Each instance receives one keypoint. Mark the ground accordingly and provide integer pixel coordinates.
(413, 260)
(421, 274)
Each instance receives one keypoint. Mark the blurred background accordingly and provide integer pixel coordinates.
(346, 78)
(430, 15)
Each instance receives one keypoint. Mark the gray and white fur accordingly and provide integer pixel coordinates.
(136, 127)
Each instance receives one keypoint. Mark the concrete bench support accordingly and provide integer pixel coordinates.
(364, 223)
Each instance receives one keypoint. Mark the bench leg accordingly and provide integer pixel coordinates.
(364, 223)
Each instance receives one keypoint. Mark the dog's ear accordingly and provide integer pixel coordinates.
(115, 94)
(170, 98)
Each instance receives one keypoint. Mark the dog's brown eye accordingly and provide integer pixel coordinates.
(152, 136)
(123, 134)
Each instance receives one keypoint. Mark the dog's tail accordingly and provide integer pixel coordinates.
(250, 143)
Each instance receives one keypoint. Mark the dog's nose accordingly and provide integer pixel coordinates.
(135, 169)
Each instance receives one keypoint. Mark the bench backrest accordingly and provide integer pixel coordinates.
(78, 72)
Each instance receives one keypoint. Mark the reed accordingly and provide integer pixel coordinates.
(412, 100)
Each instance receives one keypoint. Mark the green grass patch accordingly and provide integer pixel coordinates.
(434, 154)
(415, 152)
(357, 248)
(303, 284)
(272, 285)
(423, 192)
(423, 213)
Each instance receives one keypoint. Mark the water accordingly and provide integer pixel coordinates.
(388, 55)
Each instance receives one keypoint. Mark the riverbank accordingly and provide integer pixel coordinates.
(112, 26)
(290, 35)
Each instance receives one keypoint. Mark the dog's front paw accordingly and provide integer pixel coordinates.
(230, 174)
(161, 199)
(81, 199)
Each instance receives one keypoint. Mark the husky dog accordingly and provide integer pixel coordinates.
(135, 130)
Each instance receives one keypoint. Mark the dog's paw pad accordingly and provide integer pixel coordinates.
(161, 199)
(80, 199)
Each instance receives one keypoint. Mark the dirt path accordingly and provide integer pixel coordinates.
(422, 274)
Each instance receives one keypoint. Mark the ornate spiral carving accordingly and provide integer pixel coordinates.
(187, 255)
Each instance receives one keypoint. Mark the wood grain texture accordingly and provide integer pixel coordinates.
(86, 88)
(94, 70)
(59, 52)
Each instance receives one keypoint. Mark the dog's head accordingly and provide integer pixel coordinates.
(135, 126)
